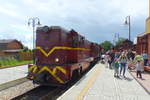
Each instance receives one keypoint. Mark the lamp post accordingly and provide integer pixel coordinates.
(127, 22)
(33, 22)
(116, 38)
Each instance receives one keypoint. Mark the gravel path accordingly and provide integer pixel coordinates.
(12, 92)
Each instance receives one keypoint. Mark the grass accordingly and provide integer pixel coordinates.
(13, 62)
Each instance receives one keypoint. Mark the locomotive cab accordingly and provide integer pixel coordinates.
(50, 55)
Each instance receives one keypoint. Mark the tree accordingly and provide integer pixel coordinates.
(120, 41)
(107, 45)
(26, 49)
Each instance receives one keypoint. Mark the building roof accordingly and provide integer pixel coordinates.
(7, 41)
(127, 41)
(4, 43)
(52, 27)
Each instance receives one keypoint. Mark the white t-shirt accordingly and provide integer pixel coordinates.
(139, 66)
(103, 56)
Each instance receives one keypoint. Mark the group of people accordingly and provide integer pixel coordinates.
(120, 61)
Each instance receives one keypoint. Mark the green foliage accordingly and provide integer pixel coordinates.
(26, 49)
(107, 45)
(138, 58)
(12, 61)
(120, 41)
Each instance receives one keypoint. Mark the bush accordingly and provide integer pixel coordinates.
(6, 61)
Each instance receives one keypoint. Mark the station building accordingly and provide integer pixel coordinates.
(143, 40)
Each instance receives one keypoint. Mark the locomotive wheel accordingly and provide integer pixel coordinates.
(80, 70)
(75, 74)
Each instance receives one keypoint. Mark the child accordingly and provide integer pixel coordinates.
(116, 67)
(139, 68)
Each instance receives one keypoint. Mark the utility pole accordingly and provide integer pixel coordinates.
(128, 22)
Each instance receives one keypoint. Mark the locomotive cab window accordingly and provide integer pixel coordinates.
(82, 39)
(75, 41)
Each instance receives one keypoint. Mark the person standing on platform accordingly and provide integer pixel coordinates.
(117, 55)
(111, 59)
(103, 59)
(116, 68)
(123, 62)
(130, 55)
(139, 69)
(145, 57)
(139, 58)
(106, 59)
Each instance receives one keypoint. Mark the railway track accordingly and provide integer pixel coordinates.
(47, 92)
(37, 93)
(44, 92)
(13, 83)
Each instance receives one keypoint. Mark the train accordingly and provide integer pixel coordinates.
(60, 56)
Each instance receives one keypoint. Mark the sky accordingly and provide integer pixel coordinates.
(97, 20)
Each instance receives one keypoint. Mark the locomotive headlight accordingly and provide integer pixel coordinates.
(56, 60)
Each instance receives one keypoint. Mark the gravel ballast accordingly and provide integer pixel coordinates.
(15, 91)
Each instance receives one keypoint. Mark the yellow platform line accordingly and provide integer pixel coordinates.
(88, 86)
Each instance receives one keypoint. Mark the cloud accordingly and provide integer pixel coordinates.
(97, 20)
(8, 12)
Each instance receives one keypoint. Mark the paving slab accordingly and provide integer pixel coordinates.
(145, 82)
(100, 84)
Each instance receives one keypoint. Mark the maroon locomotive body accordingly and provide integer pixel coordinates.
(60, 55)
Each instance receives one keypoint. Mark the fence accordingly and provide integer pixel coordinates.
(20, 58)
(26, 55)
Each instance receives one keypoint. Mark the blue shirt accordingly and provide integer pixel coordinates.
(145, 56)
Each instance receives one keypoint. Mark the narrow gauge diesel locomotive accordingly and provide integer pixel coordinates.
(60, 56)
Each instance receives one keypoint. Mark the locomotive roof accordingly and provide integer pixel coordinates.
(62, 29)
(53, 27)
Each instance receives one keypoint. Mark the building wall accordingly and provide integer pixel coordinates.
(1, 53)
(11, 53)
(149, 46)
(143, 44)
(26, 55)
(148, 25)
(14, 45)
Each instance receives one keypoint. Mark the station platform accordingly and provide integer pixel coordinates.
(13, 73)
(100, 84)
